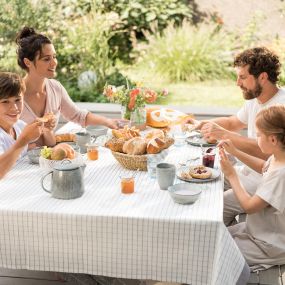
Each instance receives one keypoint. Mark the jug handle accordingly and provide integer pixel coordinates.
(42, 182)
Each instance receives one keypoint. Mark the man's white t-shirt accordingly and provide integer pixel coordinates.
(250, 109)
(6, 141)
(247, 114)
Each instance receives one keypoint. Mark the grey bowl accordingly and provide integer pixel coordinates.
(185, 193)
(34, 155)
(97, 131)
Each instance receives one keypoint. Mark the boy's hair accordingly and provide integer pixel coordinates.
(30, 44)
(271, 121)
(260, 59)
(11, 85)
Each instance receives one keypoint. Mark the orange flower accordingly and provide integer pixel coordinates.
(150, 96)
(109, 91)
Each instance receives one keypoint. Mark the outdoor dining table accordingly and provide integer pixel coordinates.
(144, 235)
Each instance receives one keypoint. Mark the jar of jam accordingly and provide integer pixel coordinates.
(127, 184)
(92, 152)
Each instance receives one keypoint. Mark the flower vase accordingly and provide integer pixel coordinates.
(137, 117)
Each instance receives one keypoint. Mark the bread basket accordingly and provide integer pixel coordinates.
(134, 162)
(130, 161)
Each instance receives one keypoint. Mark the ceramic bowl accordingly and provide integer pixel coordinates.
(34, 154)
(48, 164)
(97, 131)
(185, 193)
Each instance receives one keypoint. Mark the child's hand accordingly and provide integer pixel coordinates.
(228, 146)
(49, 121)
(226, 165)
(31, 132)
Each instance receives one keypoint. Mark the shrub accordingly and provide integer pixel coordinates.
(189, 53)
(136, 16)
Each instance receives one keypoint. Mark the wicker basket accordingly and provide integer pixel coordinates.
(132, 162)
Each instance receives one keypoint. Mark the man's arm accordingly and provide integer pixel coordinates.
(226, 128)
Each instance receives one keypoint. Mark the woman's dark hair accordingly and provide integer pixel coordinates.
(11, 85)
(260, 59)
(29, 45)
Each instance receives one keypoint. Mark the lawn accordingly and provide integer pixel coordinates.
(219, 93)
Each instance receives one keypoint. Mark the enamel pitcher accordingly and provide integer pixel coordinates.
(67, 181)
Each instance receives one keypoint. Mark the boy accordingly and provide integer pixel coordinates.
(15, 135)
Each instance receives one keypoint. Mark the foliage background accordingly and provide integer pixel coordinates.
(159, 42)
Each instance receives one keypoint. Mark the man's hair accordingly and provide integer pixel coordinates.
(11, 85)
(260, 59)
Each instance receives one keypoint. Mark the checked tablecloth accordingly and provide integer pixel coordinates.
(144, 235)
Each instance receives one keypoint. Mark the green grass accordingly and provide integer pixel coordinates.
(218, 93)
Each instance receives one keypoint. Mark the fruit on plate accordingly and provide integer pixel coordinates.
(59, 152)
(46, 152)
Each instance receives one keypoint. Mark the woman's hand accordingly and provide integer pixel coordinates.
(226, 165)
(116, 123)
(50, 124)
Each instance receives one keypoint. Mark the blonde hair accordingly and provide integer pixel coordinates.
(271, 121)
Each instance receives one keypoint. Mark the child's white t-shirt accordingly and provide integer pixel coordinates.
(6, 141)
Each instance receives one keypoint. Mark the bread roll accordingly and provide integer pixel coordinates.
(135, 145)
(115, 144)
(168, 141)
(155, 145)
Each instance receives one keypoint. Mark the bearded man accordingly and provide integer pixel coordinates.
(257, 75)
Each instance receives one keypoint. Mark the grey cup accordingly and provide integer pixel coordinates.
(165, 173)
(82, 139)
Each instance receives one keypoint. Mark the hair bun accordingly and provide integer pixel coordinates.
(24, 33)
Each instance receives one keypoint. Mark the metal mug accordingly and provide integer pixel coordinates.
(67, 181)
(165, 173)
(82, 139)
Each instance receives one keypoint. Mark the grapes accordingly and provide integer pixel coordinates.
(46, 152)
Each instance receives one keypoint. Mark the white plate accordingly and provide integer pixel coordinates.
(215, 174)
(198, 141)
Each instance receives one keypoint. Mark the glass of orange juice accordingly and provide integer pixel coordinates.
(92, 152)
(127, 184)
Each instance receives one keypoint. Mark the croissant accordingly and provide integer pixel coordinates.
(65, 138)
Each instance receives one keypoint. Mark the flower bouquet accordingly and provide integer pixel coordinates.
(133, 100)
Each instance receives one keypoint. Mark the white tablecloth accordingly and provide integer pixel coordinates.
(144, 235)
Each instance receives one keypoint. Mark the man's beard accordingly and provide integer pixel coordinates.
(251, 94)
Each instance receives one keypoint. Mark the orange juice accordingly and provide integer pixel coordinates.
(92, 153)
(128, 185)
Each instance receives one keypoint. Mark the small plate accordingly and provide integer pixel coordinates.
(198, 141)
(215, 174)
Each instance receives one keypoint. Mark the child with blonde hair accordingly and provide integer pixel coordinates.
(261, 238)
(15, 135)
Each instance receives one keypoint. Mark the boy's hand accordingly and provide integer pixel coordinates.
(31, 132)
(226, 165)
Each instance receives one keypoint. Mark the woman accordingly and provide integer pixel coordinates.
(37, 56)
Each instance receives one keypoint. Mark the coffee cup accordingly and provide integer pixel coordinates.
(82, 139)
(165, 173)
